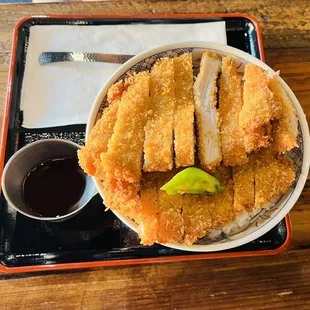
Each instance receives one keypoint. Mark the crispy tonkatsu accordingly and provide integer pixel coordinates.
(158, 123)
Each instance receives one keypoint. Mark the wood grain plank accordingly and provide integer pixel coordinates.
(284, 25)
(283, 280)
(277, 282)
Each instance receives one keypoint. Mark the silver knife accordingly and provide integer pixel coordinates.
(49, 57)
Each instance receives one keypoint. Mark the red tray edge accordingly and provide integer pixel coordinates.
(86, 265)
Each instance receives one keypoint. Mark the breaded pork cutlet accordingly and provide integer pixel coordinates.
(222, 206)
(184, 138)
(272, 180)
(122, 197)
(273, 176)
(260, 107)
(97, 141)
(158, 144)
(205, 94)
(150, 211)
(286, 130)
(171, 223)
(230, 105)
(123, 159)
(138, 125)
(243, 178)
(197, 216)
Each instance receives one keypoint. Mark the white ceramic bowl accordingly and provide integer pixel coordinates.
(267, 218)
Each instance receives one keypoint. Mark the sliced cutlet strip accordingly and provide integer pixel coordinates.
(230, 104)
(243, 177)
(122, 197)
(259, 108)
(158, 144)
(205, 95)
(184, 138)
(286, 130)
(273, 177)
(221, 206)
(97, 141)
(123, 159)
(196, 213)
(171, 223)
(150, 218)
(115, 92)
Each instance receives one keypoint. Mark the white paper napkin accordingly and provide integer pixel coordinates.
(63, 93)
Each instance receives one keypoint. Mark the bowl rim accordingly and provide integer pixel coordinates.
(243, 55)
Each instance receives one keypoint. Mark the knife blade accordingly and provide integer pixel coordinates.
(50, 57)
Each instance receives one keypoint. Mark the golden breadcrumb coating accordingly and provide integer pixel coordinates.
(171, 223)
(123, 159)
(184, 137)
(272, 179)
(115, 91)
(97, 141)
(222, 206)
(158, 144)
(243, 177)
(286, 130)
(260, 107)
(122, 197)
(208, 122)
(230, 105)
(197, 216)
(150, 210)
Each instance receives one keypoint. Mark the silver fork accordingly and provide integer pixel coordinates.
(50, 57)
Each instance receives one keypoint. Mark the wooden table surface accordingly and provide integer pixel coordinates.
(276, 282)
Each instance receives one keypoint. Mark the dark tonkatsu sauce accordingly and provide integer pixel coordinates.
(54, 186)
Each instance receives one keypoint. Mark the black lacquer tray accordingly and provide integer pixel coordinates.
(94, 237)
